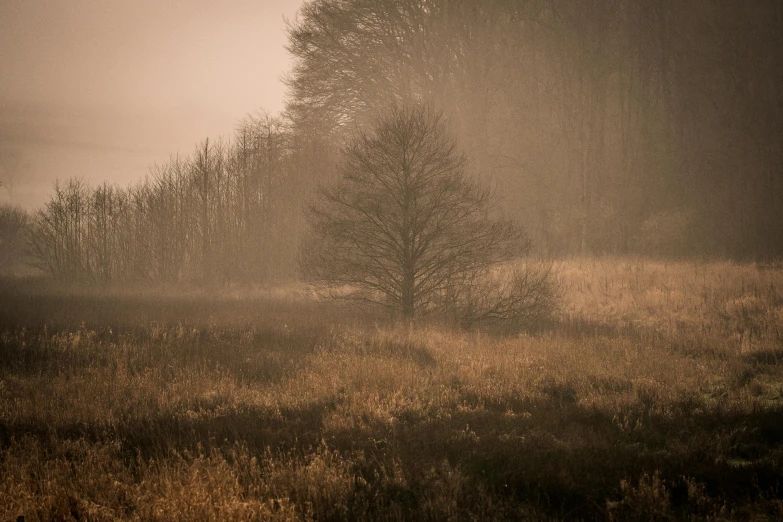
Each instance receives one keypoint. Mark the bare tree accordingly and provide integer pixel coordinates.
(405, 224)
(59, 236)
(13, 226)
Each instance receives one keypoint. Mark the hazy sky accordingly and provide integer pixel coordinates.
(101, 89)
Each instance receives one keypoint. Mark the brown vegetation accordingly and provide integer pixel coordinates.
(657, 394)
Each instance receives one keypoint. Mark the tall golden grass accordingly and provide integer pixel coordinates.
(656, 392)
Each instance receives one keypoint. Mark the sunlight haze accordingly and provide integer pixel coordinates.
(103, 89)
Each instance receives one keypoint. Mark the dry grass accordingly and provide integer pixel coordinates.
(657, 393)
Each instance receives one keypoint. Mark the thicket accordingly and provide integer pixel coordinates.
(225, 213)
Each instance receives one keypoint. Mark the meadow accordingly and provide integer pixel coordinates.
(655, 393)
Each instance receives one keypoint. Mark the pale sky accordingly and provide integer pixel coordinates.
(102, 89)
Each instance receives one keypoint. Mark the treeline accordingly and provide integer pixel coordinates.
(607, 126)
(221, 214)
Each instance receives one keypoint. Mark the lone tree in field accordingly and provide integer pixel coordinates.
(406, 227)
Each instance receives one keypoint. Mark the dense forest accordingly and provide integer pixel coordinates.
(606, 126)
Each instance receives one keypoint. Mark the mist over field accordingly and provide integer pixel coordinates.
(391, 259)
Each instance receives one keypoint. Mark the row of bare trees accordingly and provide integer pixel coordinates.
(220, 214)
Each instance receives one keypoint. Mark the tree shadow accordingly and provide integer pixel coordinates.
(764, 357)
(563, 458)
(215, 426)
(262, 356)
(403, 350)
(568, 460)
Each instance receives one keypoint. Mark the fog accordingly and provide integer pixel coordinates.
(391, 259)
(102, 90)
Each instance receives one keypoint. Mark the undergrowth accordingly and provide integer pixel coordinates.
(657, 393)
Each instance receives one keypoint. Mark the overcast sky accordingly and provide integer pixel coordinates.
(101, 89)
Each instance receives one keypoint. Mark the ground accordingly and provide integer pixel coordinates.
(655, 393)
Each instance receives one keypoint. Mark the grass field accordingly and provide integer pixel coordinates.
(656, 393)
